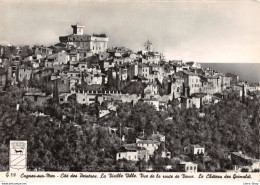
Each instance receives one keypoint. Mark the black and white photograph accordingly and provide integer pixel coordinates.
(127, 87)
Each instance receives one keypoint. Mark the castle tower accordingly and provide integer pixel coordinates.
(148, 45)
(78, 29)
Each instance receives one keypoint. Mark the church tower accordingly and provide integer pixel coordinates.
(78, 29)
(148, 45)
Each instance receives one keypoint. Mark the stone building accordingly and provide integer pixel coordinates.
(177, 85)
(225, 82)
(189, 167)
(234, 77)
(194, 149)
(211, 84)
(143, 70)
(24, 73)
(39, 99)
(192, 81)
(96, 43)
(149, 145)
(132, 152)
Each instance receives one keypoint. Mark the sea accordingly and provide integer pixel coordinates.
(249, 72)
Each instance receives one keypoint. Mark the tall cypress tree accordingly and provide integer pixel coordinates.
(56, 92)
(201, 105)
(243, 94)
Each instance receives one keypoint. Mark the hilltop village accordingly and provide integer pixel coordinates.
(112, 84)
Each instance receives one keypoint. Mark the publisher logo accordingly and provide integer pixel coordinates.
(18, 154)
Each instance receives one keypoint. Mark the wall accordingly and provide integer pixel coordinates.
(133, 156)
(24, 73)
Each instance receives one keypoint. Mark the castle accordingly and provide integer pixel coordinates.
(95, 43)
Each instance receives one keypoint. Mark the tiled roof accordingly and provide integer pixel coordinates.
(254, 85)
(35, 94)
(197, 146)
(131, 147)
(142, 65)
(241, 155)
(198, 95)
(73, 72)
(154, 65)
(212, 77)
(146, 99)
(190, 73)
(147, 142)
(179, 74)
(188, 163)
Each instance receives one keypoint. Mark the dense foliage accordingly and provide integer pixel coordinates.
(55, 143)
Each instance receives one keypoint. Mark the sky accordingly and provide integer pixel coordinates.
(201, 31)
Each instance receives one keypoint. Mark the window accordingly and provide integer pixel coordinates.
(191, 168)
(93, 48)
(119, 155)
(194, 168)
(187, 168)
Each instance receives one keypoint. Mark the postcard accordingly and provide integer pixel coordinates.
(129, 91)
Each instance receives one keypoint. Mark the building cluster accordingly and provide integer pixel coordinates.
(143, 149)
(85, 67)
(242, 162)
